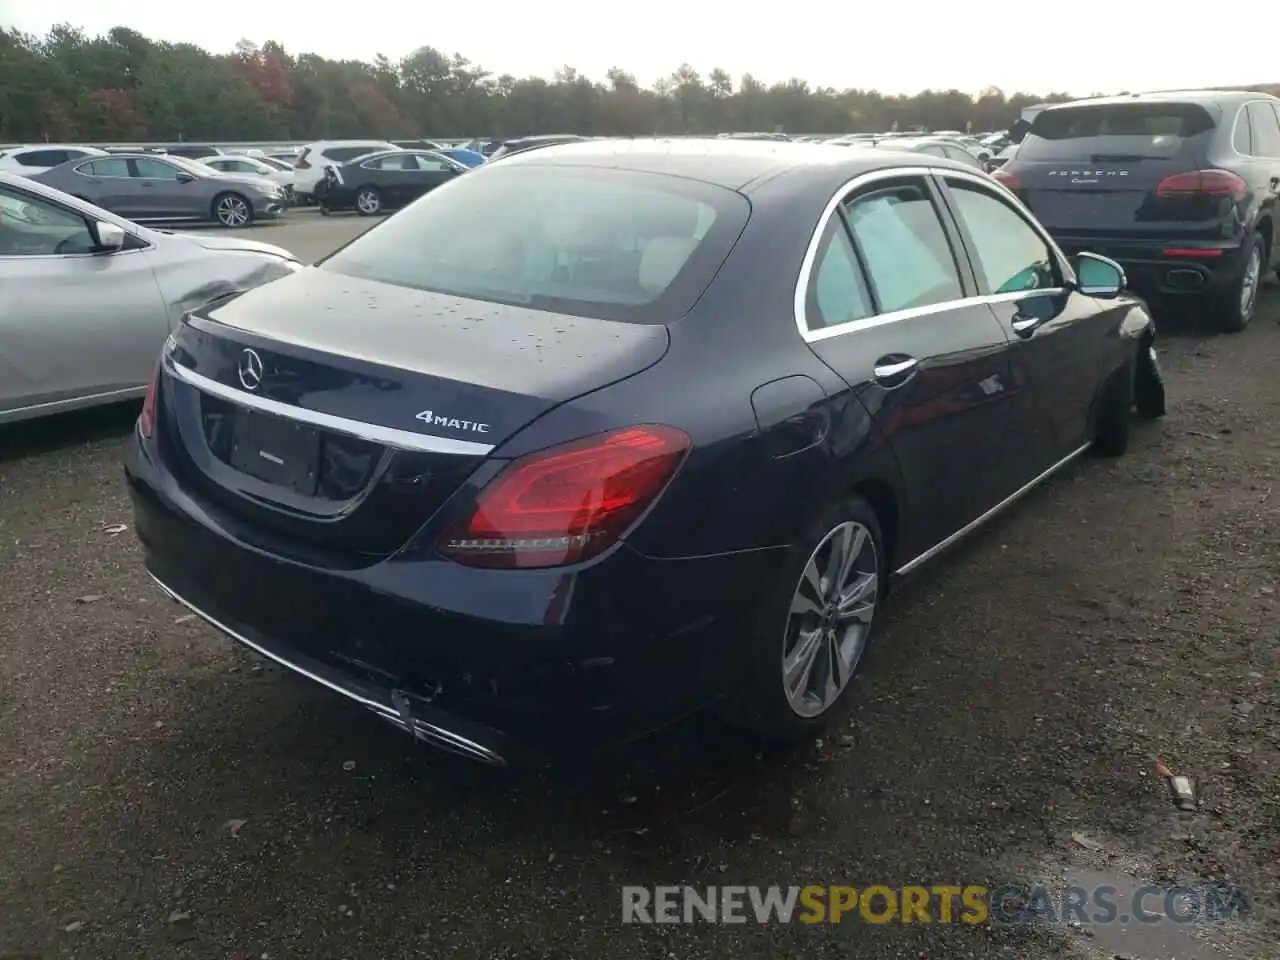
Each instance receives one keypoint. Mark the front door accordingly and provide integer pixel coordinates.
(74, 323)
(1061, 338)
(891, 308)
(163, 195)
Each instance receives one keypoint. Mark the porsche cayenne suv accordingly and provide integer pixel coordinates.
(656, 434)
(1180, 188)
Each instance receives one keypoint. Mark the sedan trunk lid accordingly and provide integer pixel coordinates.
(337, 414)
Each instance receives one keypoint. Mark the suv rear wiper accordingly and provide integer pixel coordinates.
(1119, 158)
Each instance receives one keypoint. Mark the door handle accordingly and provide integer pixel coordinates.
(894, 373)
(1023, 325)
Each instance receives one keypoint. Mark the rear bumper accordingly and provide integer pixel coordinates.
(1197, 269)
(500, 666)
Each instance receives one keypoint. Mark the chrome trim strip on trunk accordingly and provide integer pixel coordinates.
(968, 528)
(429, 732)
(387, 436)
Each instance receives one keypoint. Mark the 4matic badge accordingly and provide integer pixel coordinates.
(451, 423)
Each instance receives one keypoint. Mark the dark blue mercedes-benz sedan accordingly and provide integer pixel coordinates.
(609, 431)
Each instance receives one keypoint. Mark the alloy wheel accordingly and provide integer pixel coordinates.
(368, 202)
(830, 619)
(1249, 283)
(232, 212)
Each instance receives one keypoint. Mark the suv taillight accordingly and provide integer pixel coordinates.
(1011, 180)
(147, 418)
(567, 503)
(1202, 183)
(302, 163)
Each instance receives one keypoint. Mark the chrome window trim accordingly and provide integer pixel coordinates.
(854, 183)
(387, 436)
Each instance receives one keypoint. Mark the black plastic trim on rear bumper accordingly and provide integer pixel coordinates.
(405, 711)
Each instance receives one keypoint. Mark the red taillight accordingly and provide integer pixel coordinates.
(1202, 183)
(302, 163)
(1011, 180)
(147, 418)
(567, 503)
(1193, 252)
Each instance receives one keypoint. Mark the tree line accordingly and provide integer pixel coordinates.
(125, 87)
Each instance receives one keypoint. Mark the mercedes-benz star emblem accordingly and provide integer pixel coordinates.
(250, 369)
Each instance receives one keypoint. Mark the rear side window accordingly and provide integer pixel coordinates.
(105, 167)
(612, 244)
(1265, 129)
(838, 292)
(1096, 133)
(1242, 138)
(906, 250)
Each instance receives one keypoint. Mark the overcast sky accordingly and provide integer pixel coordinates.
(827, 42)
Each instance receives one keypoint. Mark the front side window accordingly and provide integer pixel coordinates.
(838, 290)
(431, 164)
(31, 226)
(908, 257)
(612, 244)
(1011, 256)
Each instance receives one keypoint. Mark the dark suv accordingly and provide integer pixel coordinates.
(1179, 188)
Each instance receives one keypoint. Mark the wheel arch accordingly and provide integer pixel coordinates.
(882, 499)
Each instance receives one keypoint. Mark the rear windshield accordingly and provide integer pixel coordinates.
(1120, 130)
(612, 244)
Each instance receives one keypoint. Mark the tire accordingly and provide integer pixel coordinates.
(1115, 413)
(762, 704)
(1148, 383)
(1232, 309)
(368, 201)
(232, 210)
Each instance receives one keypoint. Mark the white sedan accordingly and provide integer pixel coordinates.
(229, 163)
(89, 297)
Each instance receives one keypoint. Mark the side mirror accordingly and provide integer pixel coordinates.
(107, 237)
(1097, 276)
(184, 178)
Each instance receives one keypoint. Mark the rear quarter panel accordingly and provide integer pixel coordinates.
(735, 493)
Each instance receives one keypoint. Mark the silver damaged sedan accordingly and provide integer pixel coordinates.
(87, 298)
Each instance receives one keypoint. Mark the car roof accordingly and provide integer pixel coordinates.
(1205, 98)
(734, 164)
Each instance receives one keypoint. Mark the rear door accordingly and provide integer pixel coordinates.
(1093, 170)
(108, 184)
(1061, 339)
(891, 307)
(1257, 139)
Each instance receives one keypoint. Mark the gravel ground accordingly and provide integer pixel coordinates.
(165, 795)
